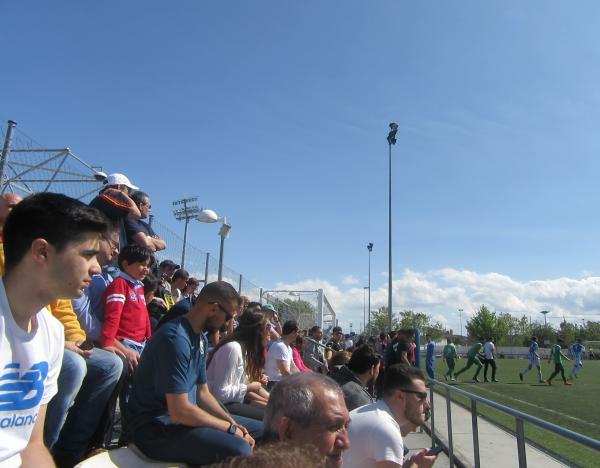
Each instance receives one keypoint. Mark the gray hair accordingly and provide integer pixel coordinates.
(293, 397)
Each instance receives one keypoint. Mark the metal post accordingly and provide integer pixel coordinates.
(221, 258)
(431, 405)
(521, 443)
(475, 430)
(206, 269)
(449, 422)
(240, 285)
(184, 242)
(6, 150)
(364, 308)
(370, 248)
(320, 308)
(390, 244)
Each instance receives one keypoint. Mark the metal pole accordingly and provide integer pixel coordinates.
(390, 243)
(370, 247)
(260, 296)
(475, 430)
(364, 308)
(432, 415)
(449, 422)
(240, 285)
(460, 311)
(221, 258)
(521, 443)
(206, 269)
(6, 150)
(320, 308)
(187, 220)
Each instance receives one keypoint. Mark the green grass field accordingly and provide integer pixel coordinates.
(576, 407)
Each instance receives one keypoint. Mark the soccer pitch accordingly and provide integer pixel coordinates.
(575, 407)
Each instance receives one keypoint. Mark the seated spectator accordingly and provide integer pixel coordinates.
(339, 359)
(348, 342)
(377, 429)
(115, 202)
(296, 356)
(90, 306)
(336, 342)
(235, 375)
(139, 232)
(166, 270)
(174, 415)
(127, 325)
(308, 409)
(191, 287)
(86, 382)
(313, 353)
(50, 246)
(355, 377)
(279, 358)
(155, 309)
(273, 318)
(280, 455)
(178, 284)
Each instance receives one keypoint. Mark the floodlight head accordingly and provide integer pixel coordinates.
(370, 246)
(208, 216)
(224, 231)
(391, 138)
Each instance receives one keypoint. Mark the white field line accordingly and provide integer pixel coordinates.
(548, 410)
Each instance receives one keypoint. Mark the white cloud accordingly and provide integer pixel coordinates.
(442, 292)
(349, 280)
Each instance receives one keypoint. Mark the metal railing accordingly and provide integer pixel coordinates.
(520, 419)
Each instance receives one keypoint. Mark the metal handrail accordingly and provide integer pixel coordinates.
(519, 416)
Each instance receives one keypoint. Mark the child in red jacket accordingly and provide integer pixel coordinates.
(126, 325)
(125, 315)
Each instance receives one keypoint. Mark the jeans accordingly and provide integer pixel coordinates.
(95, 378)
(125, 437)
(193, 445)
(429, 369)
(70, 379)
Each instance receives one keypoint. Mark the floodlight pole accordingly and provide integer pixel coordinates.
(189, 211)
(6, 149)
(391, 138)
(370, 249)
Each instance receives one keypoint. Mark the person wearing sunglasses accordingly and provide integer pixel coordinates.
(173, 413)
(377, 429)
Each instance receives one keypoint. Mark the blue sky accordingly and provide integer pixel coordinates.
(275, 114)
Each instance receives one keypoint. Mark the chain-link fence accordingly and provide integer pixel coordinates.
(27, 167)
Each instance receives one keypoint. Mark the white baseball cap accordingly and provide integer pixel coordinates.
(119, 179)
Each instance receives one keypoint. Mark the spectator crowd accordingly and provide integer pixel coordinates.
(95, 333)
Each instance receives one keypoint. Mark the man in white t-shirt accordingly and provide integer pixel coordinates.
(279, 358)
(377, 429)
(50, 247)
(489, 351)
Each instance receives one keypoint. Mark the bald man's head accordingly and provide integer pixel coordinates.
(7, 203)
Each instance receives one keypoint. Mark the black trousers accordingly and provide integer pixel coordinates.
(486, 363)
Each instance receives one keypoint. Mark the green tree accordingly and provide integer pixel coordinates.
(424, 322)
(486, 323)
(379, 321)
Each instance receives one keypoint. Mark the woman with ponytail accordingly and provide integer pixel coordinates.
(235, 368)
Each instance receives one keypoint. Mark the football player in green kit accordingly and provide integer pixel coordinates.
(473, 358)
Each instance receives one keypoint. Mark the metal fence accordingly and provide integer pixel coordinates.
(26, 167)
(520, 419)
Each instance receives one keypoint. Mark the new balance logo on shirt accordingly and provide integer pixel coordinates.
(22, 392)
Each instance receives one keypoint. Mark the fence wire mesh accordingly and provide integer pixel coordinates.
(32, 168)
